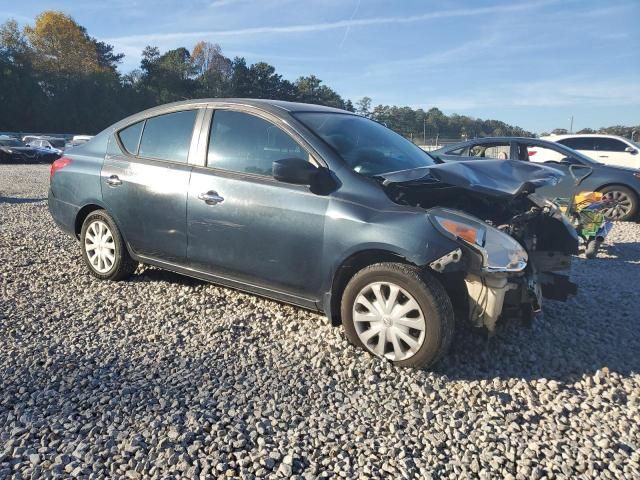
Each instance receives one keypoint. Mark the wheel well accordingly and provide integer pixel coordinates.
(82, 214)
(599, 189)
(349, 268)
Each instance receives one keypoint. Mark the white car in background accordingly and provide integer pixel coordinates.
(607, 149)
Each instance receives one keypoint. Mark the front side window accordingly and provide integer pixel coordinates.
(610, 145)
(57, 143)
(130, 137)
(240, 142)
(168, 136)
(368, 147)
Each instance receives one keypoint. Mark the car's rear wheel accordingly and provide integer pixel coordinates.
(624, 203)
(103, 248)
(398, 312)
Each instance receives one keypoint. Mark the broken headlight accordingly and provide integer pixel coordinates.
(499, 251)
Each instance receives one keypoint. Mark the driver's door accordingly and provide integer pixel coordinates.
(244, 225)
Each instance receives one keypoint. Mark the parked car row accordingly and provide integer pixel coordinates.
(323, 209)
(36, 148)
(13, 150)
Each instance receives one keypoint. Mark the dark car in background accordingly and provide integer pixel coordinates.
(620, 185)
(53, 144)
(13, 150)
(320, 208)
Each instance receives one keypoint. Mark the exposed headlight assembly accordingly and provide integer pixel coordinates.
(500, 252)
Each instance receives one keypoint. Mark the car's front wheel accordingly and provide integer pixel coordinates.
(103, 248)
(398, 312)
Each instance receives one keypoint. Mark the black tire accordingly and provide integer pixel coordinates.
(123, 265)
(593, 246)
(611, 192)
(427, 291)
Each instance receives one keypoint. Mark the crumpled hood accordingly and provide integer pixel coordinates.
(496, 178)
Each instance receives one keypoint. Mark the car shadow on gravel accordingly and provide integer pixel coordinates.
(627, 252)
(20, 200)
(572, 339)
(598, 328)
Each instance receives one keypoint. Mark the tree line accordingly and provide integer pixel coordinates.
(56, 77)
(632, 133)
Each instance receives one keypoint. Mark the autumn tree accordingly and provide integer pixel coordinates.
(60, 45)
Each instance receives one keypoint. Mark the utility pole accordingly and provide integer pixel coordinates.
(424, 131)
(571, 126)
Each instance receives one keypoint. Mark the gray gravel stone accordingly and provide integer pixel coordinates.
(163, 376)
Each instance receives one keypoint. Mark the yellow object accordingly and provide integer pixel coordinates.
(582, 200)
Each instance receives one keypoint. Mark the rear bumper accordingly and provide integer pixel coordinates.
(63, 213)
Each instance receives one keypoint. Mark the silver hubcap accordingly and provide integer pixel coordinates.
(100, 247)
(388, 321)
(621, 204)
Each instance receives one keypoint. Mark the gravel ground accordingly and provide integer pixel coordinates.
(167, 377)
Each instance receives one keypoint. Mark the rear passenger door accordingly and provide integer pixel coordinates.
(246, 226)
(145, 179)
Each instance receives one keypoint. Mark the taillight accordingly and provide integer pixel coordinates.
(59, 164)
(532, 153)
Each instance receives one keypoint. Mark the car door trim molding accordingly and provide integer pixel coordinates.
(244, 286)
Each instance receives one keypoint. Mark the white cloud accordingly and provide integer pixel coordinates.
(315, 27)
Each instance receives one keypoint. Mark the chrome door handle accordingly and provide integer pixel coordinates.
(114, 181)
(211, 198)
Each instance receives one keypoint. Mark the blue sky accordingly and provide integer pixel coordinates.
(532, 63)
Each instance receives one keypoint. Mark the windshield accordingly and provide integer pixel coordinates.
(569, 152)
(56, 142)
(366, 146)
(10, 143)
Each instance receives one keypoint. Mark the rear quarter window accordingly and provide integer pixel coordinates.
(130, 137)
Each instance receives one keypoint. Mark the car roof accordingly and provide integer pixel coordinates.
(490, 140)
(579, 135)
(255, 102)
(276, 107)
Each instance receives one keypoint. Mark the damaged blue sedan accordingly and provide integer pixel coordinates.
(319, 208)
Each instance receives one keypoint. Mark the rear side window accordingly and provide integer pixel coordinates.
(168, 137)
(244, 143)
(130, 137)
(499, 151)
(578, 143)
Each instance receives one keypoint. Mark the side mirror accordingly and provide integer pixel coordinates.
(586, 171)
(294, 170)
(631, 150)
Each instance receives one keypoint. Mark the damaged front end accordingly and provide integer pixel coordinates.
(514, 247)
